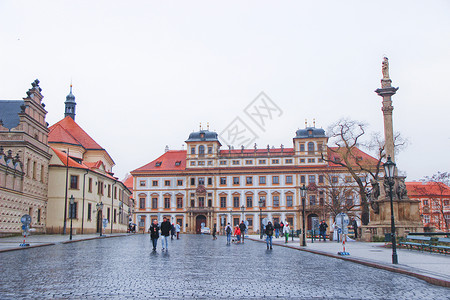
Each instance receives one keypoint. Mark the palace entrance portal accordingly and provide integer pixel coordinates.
(198, 223)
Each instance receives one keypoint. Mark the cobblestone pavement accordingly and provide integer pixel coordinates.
(195, 267)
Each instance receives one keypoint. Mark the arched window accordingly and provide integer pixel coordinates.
(201, 149)
(310, 147)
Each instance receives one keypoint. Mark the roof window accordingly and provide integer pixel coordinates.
(158, 164)
(177, 163)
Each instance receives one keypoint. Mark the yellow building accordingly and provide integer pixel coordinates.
(82, 169)
(205, 185)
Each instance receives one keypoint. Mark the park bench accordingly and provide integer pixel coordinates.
(417, 242)
(442, 245)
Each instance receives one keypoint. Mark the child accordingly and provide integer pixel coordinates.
(237, 233)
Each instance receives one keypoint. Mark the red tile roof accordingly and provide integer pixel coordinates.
(128, 182)
(68, 131)
(427, 189)
(168, 162)
(366, 158)
(259, 152)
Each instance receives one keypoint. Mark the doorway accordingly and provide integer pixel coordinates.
(99, 221)
(198, 223)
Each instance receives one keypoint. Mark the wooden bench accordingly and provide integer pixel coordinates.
(417, 242)
(442, 245)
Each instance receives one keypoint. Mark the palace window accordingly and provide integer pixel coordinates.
(302, 147)
(249, 180)
(319, 147)
(89, 212)
(288, 161)
(109, 190)
(209, 163)
(302, 179)
(275, 161)
(311, 160)
(334, 179)
(275, 179)
(100, 188)
(223, 202)
(310, 147)
(426, 218)
(209, 180)
(201, 181)
(312, 178)
(154, 203)
(320, 178)
(236, 201)
(236, 162)
(262, 162)
(141, 203)
(235, 180)
(425, 202)
(90, 185)
(167, 182)
(155, 183)
(201, 150)
(210, 150)
(192, 163)
(249, 162)
(179, 202)
(192, 150)
(250, 221)
(263, 200)
(166, 202)
(223, 162)
(249, 201)
(192, 181)
(262, 179)
(201, 163)
(179, 182)
(288, 179)
(312, 200)
(289, 201)
(302, 160)
(201, 201)
(276, 201)
(223, 180)
(74, 182)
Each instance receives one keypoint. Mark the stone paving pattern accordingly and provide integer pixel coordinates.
(195, 267)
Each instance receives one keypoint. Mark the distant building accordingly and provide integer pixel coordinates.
(204, 185)
(24, 158)
(83, 169)
(434, 200)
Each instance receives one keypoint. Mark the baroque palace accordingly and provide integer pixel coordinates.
(205, 184)
(42, 168)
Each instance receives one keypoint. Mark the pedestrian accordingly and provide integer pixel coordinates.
(178, 229)
(276, 226)
(269, 234)
(172, 231)
(281, 228)
(228, 232)
(165, 232)
(323, 231)
(286, 230)
(214, 232)
(154, 234)
(355, 227)
(237, 233)
(242, 227)
(335, 232)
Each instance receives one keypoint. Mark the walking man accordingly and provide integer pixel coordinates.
(277, 226)
(228, 231)
(172, 231)
(154, 234)
(242, 227)
(269, 234)
(214, 232)
(165, 232)
(323, 231)
(178, 229)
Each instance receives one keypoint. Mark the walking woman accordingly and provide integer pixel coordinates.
(286, 230)
(154, 234)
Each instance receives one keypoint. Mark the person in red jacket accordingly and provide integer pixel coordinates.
(237, 233)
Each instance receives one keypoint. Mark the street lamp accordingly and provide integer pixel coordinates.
(261, 203)
(242, 209)
(389, 170)
(71, 213)
(303, 190)
(100, 208)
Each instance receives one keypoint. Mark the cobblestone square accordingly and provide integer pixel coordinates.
(195, 267)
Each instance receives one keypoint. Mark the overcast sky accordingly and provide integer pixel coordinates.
(146, 73)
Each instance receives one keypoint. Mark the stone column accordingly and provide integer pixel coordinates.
(386, 92)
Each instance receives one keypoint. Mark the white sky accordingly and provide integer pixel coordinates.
(145, 73)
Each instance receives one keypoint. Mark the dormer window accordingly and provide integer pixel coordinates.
(337, 159)
(202, 135)
(177, 163)
(310, 132)
(158, 164)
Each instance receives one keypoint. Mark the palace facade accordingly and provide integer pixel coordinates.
(207, 185)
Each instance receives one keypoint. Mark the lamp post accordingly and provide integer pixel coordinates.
(242, 209)
(100, 208)
(261, 202)
(303, 190)
(389, 171)
(120, 212)
(71, 213)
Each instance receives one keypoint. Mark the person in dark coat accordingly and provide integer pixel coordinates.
(165, 232)
(242, 227)
(214, 232)
(172, 231)
(154, 234)
(269, 233)
(323, 230)
(277, 227)
(355, 227)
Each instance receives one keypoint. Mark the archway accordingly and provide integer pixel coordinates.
(198, 223)
(310, 216)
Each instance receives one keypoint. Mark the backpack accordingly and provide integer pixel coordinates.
(228, 230)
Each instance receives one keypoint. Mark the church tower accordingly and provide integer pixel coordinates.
(70, 105)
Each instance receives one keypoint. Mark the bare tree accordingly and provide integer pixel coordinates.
(437, 190)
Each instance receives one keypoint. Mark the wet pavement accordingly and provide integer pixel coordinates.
(195, 267)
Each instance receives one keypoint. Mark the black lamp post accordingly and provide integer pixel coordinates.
(303, 190)
(100, 208)
(389, 171)
(242, 209)
(71, 213)
(261, 203)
